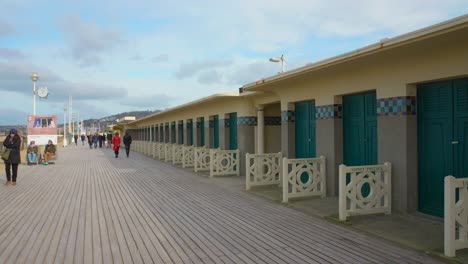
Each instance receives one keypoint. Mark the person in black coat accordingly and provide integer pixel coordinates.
(13, 143)
(127, 140)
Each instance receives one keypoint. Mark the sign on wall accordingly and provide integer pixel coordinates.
(41, 129)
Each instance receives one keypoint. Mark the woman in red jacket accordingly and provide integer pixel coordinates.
(116, 143)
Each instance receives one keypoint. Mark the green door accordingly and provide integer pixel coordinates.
(360, 129)
(173, 133)
(216, 131)
(191, 133)
(202, 131)
(305, 129)
(442, 134)
(233, 131)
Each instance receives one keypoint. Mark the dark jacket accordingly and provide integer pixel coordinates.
(50, 148)
(14, 146)
(127, 140)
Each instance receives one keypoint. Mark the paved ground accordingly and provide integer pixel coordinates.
(93, 208)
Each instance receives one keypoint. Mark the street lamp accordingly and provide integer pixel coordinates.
(278, 59)
(34, 78)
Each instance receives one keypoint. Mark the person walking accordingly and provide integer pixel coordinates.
(76, 139)
(83, 137)
(95, 140)
(13, 143)
(90, 141)
(109, 139)
(101, 140)
(32, 153)
(127, 140)
(116, 143)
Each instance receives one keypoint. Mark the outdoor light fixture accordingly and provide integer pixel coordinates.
(279, 59)
(34, 78)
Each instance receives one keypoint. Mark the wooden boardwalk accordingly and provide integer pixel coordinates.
(93, 208)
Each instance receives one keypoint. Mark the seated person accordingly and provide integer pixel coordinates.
(32, 152)
(49, 152)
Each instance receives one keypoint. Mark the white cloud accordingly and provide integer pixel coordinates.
(8, 53)
(193, 68)
(88, 40)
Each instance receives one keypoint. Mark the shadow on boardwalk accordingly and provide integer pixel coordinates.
(93, 208)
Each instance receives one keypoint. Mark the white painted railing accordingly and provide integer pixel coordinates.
(187, 156)
(303, 178)
(377, 179)
(177, 154)
(145, 147)
(224, 162)
(137, 146)
(201, 159)
(162, 151)
(263, 169)
(168, 152)
(155, 150)
(455, 215)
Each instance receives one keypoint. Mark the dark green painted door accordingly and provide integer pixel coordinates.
(191, 133)
(442, 134)
(173, 133)
(216, 131)
(202, 131)
(360, 129)
(233, 131)
(305, 129)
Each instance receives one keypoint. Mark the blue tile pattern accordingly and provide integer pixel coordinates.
(199, 124)
(287, 116)
(396, 106)
(334, 111)
(188, 124)
(247, 121)
(209, 124)
(272, 120)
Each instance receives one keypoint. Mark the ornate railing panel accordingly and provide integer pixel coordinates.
(188, 156)
(263, 169)
(201, 159)
(168, 152)
(303, 178)
(224, 162)
(162, 151)
(455, 215)
(364, 190)
(177, 154)
(155, 150)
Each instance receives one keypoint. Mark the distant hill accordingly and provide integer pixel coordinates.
(101, 123)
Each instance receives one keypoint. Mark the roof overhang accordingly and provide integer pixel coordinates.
(383, 45)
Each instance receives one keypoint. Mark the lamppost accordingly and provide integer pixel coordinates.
(34, 78)
(65, 125)
(278, 59)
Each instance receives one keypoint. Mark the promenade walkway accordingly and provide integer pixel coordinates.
(93, 208)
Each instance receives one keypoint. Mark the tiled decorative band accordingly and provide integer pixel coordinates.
(287, 116)
(272, 120)
(396, 106)
(334, 111)
(225, 122)
(247, 121)
(199, 124)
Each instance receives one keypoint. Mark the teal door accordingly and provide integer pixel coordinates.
(305, 129)
(216, 131)
(191, 133)
(442, 135)
(360, 129)
(233, 131)
(173, 133)
(202, 131)
(182, 133)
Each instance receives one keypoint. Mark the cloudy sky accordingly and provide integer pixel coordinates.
(120, 55)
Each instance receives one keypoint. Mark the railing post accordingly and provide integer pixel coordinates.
(212, 154)
(285, 180)
(388, 184)
(323, 173)
(238, 162)
(342, 192)
(449, 217)
(247, 171)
